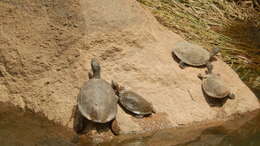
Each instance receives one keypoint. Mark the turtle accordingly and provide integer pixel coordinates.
(192, 54)
(133, 102)
(96, 101)
(214, 86)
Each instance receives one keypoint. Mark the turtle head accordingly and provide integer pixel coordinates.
(116, 87)
(209, 67)
(214, 52)
(95, 68)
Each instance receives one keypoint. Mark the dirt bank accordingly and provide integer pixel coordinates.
(46, 47)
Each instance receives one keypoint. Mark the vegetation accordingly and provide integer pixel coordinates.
(233, 26)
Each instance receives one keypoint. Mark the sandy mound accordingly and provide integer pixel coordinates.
(46, 47)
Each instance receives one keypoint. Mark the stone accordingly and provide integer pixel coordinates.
(45, 53)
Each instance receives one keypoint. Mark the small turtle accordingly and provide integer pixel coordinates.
(193, 55)
(96, 101)
(214, 86)
(133, 102)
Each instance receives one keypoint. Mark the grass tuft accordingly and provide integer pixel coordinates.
(233, 25)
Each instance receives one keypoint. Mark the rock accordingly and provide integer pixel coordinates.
(45, 52)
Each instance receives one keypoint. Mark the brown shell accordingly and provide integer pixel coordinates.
(134, 103)
(97, 101)
(214, 87)
(191, 54)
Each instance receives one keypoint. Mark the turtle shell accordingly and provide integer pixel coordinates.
(97, 101)
(134, 103)
(215, 87)
(191, 54)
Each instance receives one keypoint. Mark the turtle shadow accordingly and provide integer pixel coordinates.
(177, 60)
(214, 102)
(99, 127)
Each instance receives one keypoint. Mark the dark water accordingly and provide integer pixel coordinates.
(20, 128)
(233, 133)
(241, 131)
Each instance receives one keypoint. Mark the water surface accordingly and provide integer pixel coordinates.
(24, 128)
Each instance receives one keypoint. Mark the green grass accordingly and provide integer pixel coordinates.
(216, 23)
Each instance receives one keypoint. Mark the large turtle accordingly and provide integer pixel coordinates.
(96, 101)
(133, 102)
(192, 54)
(214, 86)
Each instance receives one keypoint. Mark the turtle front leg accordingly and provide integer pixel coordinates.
(231, 96)
(78, 122)
(201, 76)
(182, 64)
(115, 127)
(154, 111)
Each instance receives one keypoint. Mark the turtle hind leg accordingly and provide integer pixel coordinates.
(78, 124)
(139, 116)
(231, 96)
(90, 75)
(154, 111)
(115, 127)
(182, 65)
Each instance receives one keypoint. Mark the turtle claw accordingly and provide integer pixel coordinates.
(231, 96)
(182, 65)
(115, 127)
(200, 76)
